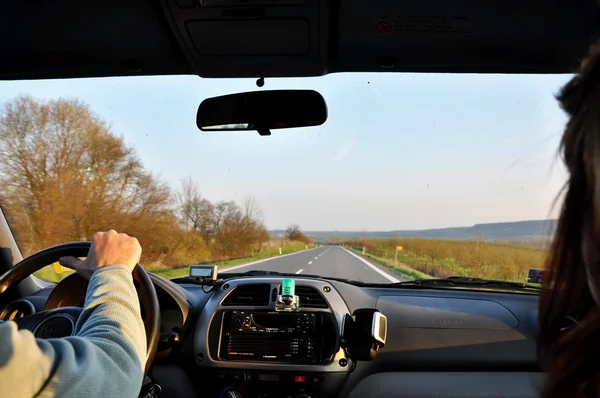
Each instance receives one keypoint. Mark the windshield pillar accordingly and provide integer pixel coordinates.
(11, 255)
(9, 251)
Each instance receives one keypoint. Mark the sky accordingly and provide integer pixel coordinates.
(398, 151)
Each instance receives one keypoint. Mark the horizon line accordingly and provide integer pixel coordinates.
(418, 230)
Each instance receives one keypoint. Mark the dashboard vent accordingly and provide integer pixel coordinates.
(310, 297)
(257, 295)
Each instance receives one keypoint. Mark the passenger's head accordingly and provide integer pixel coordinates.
(569, 320)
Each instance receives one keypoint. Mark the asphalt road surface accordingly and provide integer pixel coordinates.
(332, 261)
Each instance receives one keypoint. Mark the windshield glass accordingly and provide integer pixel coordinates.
(412, 176)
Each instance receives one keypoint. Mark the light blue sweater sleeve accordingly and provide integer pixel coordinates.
(104, 358)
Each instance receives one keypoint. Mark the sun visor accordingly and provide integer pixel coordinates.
(464, 36)
(252, 38)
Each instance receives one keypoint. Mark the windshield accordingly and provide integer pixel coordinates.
(413, 176)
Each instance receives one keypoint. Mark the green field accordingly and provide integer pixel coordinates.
(48, 273)
(443, 258)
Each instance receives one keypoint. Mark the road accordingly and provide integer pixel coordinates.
(332, 261)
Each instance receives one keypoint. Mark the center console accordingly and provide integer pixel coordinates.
(255, 341)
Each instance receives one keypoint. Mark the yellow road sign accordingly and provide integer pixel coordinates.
(399, 248)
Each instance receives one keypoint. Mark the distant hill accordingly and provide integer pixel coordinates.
(535, 231)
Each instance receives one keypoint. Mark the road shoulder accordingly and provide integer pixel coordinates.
(380, 269)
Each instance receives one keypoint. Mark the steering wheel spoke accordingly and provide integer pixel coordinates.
(56, 323)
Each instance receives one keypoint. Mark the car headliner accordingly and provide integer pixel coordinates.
(270, 38)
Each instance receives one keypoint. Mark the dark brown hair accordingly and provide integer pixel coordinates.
(569, 318)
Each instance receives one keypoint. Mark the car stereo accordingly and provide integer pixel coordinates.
(275, 337)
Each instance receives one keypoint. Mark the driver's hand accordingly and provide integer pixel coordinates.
(108, 248)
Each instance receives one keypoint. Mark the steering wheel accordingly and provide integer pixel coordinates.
(60, 322)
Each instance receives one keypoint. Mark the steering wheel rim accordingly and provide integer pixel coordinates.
(145, 288)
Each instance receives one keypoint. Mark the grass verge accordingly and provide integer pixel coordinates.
(443, 258)
(48, 273)
(401, 269)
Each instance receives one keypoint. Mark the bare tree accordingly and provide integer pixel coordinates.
(252, 210)
(263, 237)
(223, 212)
(239, 231)
(65, 175)
(194, 211)
(294, 233)
(188, 203)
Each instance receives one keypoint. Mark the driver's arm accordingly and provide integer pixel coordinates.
(105, 357)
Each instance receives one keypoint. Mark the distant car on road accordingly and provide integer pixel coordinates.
(535, 275)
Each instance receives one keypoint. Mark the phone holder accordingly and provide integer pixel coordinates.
(365, 332)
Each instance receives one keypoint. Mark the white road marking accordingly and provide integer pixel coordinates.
(310, 262)
(299, 271)
(374, 268)
(316, 258)
(227, 269)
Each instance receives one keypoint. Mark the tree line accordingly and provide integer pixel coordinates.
(64, 174)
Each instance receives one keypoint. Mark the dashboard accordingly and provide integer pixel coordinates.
(232, 342)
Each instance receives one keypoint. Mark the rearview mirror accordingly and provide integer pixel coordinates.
(262, 111)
